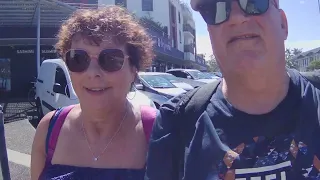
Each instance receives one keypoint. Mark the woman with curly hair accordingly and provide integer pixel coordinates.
(105, 136)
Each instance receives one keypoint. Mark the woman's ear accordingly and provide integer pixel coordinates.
(134, 72)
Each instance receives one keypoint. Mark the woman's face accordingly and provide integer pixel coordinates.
(95, 87)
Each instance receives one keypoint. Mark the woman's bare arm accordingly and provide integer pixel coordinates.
(38, 153)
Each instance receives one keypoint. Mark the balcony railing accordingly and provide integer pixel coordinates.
(189, 48)
(200, 60)
(188, 28)
(83, 5)
(163, 45)
(189, 56)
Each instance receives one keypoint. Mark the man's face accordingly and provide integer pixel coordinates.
(246, 43)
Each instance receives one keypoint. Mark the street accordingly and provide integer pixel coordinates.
(19, 134)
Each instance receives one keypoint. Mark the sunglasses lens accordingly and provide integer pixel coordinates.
(254, 7)
(215, 12)
(218, 11)
(77, 60)
(111, 60)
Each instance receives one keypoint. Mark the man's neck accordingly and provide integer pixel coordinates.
(256, 94)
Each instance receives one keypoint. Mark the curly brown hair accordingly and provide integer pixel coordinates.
(113, 21)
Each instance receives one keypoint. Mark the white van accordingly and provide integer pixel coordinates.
(54, 88)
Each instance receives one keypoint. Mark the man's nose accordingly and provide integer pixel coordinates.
(237, 15)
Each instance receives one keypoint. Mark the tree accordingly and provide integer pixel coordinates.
(149, 21)
(213, 65)
(290, 53)
(314, 65)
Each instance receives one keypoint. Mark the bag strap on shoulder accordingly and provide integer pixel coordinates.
(54, 129)
(148, 116)
(189, 108)
(195, 101)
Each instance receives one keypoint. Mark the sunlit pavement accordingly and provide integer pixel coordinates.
(19, 137)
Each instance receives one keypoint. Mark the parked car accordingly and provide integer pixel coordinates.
(219, 74)
(157, 88)
(192, 82)
(173, 79)
(193, 74)
(54, 88)
(211, 75)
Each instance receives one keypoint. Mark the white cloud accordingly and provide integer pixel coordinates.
(204, 45)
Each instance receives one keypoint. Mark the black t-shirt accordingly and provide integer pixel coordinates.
(228, 144)
(265, 143)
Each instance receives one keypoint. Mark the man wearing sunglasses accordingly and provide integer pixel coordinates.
(260, 121)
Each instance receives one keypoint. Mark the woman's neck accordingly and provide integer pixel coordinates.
(100, 124)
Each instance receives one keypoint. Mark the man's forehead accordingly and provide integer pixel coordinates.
(195, 3)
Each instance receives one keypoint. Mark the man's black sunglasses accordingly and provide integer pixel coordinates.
(215, 12)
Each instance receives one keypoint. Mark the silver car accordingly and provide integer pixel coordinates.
(157, 88)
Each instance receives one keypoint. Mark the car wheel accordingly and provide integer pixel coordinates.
(39, 110)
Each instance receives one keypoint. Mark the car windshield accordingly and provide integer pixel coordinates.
(211, 75)
(157, 81)
(198, 75)
(170, 77)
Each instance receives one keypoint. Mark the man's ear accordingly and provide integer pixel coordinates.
(284, 24)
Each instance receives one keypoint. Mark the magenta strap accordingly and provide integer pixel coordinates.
(148, 116)
(53, 139)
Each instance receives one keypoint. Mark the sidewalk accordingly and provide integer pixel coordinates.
(19, 133)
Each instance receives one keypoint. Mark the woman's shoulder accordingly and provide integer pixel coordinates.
(41, 133)
(43, 125)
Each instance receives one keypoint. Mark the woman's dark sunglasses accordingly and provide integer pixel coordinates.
(110, 60)
(215, 12)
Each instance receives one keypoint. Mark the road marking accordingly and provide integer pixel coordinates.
(19, 158)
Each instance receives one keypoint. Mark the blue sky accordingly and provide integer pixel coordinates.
(303, 19)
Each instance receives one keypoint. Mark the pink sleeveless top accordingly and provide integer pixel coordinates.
(65, 172)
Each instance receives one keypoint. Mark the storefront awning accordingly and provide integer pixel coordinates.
(26, 41)
(24, 12)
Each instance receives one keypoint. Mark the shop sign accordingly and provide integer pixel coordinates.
(163, 44)
(48, 51)
(20, 51)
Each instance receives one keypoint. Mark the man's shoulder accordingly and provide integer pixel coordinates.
(193, 101)
(171, 105)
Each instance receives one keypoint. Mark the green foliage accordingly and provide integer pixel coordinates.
(314, 65)
(151, 22)
(212, 64)
(290, 53)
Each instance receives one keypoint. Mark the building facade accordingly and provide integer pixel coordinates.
(175, 33)
(304, 59)
(20, 39)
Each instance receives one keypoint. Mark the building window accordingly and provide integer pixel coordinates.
(60, 78)
(180, 38)
(173, 13)
(5, 75)
(179, 18)
(121, 3)
(147, 5)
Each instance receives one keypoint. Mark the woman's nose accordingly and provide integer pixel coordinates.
(94, 69)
